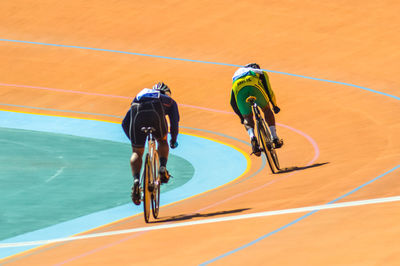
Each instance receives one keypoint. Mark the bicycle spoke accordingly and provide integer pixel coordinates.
(146, 192)
(155, 199)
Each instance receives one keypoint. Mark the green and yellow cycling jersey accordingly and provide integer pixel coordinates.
(248, 82)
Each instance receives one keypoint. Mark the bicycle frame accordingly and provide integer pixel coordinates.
(150, 181)
(264, 136)
(151, 143)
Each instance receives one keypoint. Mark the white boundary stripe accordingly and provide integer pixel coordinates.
(215, 220)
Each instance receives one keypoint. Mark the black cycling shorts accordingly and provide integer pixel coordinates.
(146, 114)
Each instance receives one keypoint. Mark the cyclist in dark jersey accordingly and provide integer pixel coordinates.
(149, 109)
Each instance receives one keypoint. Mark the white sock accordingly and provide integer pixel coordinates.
(273, 132)
(250, 131)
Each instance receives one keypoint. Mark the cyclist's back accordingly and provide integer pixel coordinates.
(252, 81)
(245, 71)
(146, 111)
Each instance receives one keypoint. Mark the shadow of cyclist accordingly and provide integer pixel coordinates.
(183, 217)
(297, 168)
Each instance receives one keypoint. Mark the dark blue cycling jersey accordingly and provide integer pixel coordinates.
(170, 109)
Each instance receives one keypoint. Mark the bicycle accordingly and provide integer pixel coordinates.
(149, 185)
(264, 137)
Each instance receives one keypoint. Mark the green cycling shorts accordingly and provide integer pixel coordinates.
(244, 93)
(249, 86)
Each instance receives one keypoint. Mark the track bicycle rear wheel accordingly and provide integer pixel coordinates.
(275, 158)
(272, 150)
(155, 196)
(266, 143)
(146, 192)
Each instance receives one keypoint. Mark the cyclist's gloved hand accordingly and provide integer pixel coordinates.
(172, 144)
(276, 109)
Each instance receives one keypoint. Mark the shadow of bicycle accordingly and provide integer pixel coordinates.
(183, 217)
(298, 168)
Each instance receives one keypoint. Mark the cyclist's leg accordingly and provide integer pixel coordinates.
(163, 152)
(270, 119)
(160, 124)
(245, 108)
(136, 161)
(269, 116)
(136, 165)
(248, 120)
(263, 102)
(138, 139)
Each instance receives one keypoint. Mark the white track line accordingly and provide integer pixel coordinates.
(56, 174)
(215, 220)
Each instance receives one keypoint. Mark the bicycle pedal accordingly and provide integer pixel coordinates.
(136, 199)
(256, 154)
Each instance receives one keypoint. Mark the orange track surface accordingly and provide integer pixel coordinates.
(357, 131)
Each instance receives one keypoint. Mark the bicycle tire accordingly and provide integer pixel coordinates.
(267, 145)
(146, 192)
(272, 150)
(155, 196)
(274, 156)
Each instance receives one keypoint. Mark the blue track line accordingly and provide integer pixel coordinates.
(199, 61)
(121, 52)
(59, 110)
(234, 65)
(297, 220)
(194, 151)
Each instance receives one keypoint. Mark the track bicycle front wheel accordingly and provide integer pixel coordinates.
(155, 196)
(269, 151)
(272, 150)
(274, 156)
(146, 193)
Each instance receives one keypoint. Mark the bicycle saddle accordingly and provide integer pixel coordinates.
(148, 129)
(251, 99)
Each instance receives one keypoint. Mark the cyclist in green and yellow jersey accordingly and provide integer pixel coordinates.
(250, 80)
